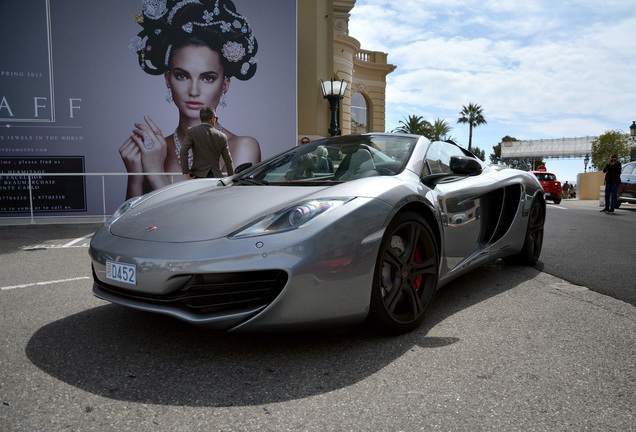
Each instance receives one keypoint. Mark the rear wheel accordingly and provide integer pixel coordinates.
(533, 243)
(405, 277)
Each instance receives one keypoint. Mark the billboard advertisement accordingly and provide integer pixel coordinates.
(109, 89)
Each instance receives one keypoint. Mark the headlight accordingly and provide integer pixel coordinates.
(290, 218)
(123, 209)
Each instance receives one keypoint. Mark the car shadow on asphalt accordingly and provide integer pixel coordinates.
(127, 355)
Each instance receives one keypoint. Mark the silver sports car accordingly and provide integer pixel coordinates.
(331, 233)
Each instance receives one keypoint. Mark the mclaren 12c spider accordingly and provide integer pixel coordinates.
(330, 233)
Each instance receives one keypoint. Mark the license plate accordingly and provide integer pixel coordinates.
(126, 273)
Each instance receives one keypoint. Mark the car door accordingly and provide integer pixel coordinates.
(458, 202)
(628, 181)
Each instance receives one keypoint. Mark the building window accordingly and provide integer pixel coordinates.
(359, 114)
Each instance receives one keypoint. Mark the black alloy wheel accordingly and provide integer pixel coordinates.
(405, 276)
(533, 243)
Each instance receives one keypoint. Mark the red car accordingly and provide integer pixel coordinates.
(551, 185)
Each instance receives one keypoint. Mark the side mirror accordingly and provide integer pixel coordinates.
(459, 166)
(242, 167)
(465, 165)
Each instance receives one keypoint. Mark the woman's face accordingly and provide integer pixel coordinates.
(196, 79)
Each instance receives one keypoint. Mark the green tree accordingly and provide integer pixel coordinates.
(473, 115)
(611, 142)
(481, 154)
(440, 130)
(495, 157)
(414, 125)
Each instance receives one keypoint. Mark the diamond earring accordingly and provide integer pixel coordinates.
(169, 95)
(223, 101)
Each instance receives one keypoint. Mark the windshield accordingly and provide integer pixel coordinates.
(545, 176)
(336, 159)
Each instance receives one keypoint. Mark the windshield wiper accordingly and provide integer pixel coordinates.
(251, 181)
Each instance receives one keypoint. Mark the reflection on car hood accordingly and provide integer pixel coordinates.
(204, 214)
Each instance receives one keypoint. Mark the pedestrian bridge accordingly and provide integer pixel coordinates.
(547, 148)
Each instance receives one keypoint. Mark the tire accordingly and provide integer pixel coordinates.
(405, 275)
(618, 204)
(533, 242)
(557, 200)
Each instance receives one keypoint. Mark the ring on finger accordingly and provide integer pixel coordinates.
(149, 143)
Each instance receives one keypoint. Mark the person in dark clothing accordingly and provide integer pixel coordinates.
(612, 179)
(208, 145)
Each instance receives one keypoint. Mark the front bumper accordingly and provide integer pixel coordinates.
(305, 278)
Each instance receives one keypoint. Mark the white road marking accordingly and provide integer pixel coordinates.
(70, 244)
(43, 283)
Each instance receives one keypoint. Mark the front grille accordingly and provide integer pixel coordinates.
(215, 293)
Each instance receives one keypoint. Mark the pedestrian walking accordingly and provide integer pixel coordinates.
(566, 190)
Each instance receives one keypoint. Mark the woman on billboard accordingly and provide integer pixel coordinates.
(198, 45)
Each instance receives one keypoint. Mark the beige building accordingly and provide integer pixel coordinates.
(326, 51)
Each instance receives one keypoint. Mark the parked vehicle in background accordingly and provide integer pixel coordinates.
(550, 184)
(627, 188)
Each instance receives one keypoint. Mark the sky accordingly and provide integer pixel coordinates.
(539, 69)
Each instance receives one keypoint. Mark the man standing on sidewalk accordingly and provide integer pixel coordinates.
(612, 179)
(208, 145)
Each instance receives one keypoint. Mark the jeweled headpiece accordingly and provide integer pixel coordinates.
(174, 23)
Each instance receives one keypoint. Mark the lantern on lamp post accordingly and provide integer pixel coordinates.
(333, 91)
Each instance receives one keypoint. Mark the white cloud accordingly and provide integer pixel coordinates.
(539, 69)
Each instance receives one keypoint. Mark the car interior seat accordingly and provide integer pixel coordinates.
(357, 165)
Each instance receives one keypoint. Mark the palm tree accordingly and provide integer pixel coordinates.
(440, 130)
(471, 114)
(414, 125)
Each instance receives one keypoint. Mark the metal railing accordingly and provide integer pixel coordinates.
(104, 215)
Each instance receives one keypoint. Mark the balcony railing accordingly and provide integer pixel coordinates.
(372, 56)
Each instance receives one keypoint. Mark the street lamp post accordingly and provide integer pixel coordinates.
(586, 161)
(333, 91)
(632, 132)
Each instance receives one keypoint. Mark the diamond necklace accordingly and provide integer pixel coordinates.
(177, 150)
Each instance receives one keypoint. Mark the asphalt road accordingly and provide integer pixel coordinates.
(503, 348)
(592, 249)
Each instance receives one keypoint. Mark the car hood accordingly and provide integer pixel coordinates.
(186, 215)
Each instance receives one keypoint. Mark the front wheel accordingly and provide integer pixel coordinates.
(533, 242)
(405, 276)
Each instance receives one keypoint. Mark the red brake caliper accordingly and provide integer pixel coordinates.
(417, 258)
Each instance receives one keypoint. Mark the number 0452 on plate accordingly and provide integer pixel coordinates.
(126, 273)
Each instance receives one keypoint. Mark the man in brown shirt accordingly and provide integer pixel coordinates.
(208, 145)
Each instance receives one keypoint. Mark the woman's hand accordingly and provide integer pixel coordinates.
(151, 144)
(145, 151)
(131, 156)
(153, 150)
